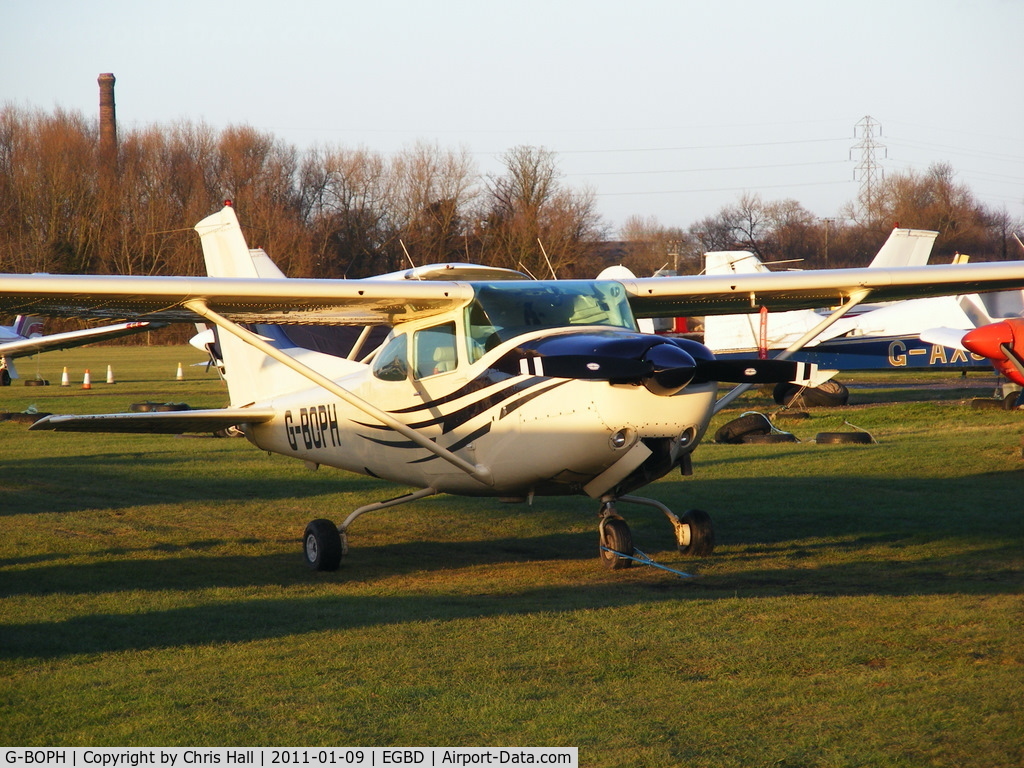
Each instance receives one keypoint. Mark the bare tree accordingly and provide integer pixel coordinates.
(347, 198)
(530, 222)
(794, 233)
(934, 200)
(49, 184)
(652, 246)
(434, 189)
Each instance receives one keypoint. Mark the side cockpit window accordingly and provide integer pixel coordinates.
(435, 350)
(392, 362)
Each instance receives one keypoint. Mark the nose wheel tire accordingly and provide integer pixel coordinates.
(695, 534)
(615, 536)
(321, 544)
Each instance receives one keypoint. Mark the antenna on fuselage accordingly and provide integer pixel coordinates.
(526, 269)
(553, 275)
(406, 252)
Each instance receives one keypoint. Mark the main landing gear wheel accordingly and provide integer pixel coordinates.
(321, 544)
(695, 534)
(615, 536)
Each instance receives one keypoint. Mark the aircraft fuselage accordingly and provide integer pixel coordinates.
(536, 434)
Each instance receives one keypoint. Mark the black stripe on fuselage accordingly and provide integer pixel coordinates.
(458, 417)
(455, 419)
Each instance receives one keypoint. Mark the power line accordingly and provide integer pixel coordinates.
(708, 170)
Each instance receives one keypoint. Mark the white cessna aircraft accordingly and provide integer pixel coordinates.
(488, 384)
(26, 338)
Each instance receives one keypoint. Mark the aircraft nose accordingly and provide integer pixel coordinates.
(988, 340)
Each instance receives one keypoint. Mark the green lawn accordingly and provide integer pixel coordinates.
(863, 608)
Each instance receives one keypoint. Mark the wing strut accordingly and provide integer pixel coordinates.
(476, 471)
(855, 298)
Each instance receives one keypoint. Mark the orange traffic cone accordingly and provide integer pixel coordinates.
(86, 380)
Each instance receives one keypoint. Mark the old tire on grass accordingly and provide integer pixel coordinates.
(702, 534)
(774, 437)
(828, 395)
(321, 545)
(615, 536)
(837, 438)
(748, 424)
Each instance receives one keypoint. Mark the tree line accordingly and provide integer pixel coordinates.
(65, 207)
(327, 212)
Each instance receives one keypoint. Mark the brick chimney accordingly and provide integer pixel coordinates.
(108, 122)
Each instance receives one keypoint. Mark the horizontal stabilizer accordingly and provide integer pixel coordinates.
(159, 423)
(945, 337)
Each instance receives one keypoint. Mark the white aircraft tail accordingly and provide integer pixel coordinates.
(905, 248)
(28, 326)
(227, 255)
(252, 376)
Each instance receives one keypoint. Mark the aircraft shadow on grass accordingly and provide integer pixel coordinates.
(120, 480)
(767, 551)
(262, 619)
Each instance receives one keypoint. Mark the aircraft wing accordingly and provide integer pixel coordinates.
(25, 347)
(245, 300)
(368, 302)
(730, 294)
(157, 423)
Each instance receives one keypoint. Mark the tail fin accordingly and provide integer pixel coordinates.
(905, 248)
(251, 376)
(224, 247)
(227, 255)
(28, 326)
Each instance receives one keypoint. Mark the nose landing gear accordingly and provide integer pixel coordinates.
(616, 541)
(695, 535)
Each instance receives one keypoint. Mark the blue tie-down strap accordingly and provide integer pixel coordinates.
(643, 559)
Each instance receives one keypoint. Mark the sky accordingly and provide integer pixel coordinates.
(667, 110)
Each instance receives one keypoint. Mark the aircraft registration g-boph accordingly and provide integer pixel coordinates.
(488, 384)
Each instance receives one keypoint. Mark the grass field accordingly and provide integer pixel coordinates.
(864, 606)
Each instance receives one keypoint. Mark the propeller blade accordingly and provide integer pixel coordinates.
(663, 365)
(754, 371)
(588, 367)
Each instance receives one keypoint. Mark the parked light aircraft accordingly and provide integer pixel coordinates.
(882, 337)
(26, 338)
(487, 384)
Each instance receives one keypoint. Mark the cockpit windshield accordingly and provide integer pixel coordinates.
(504, 310)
